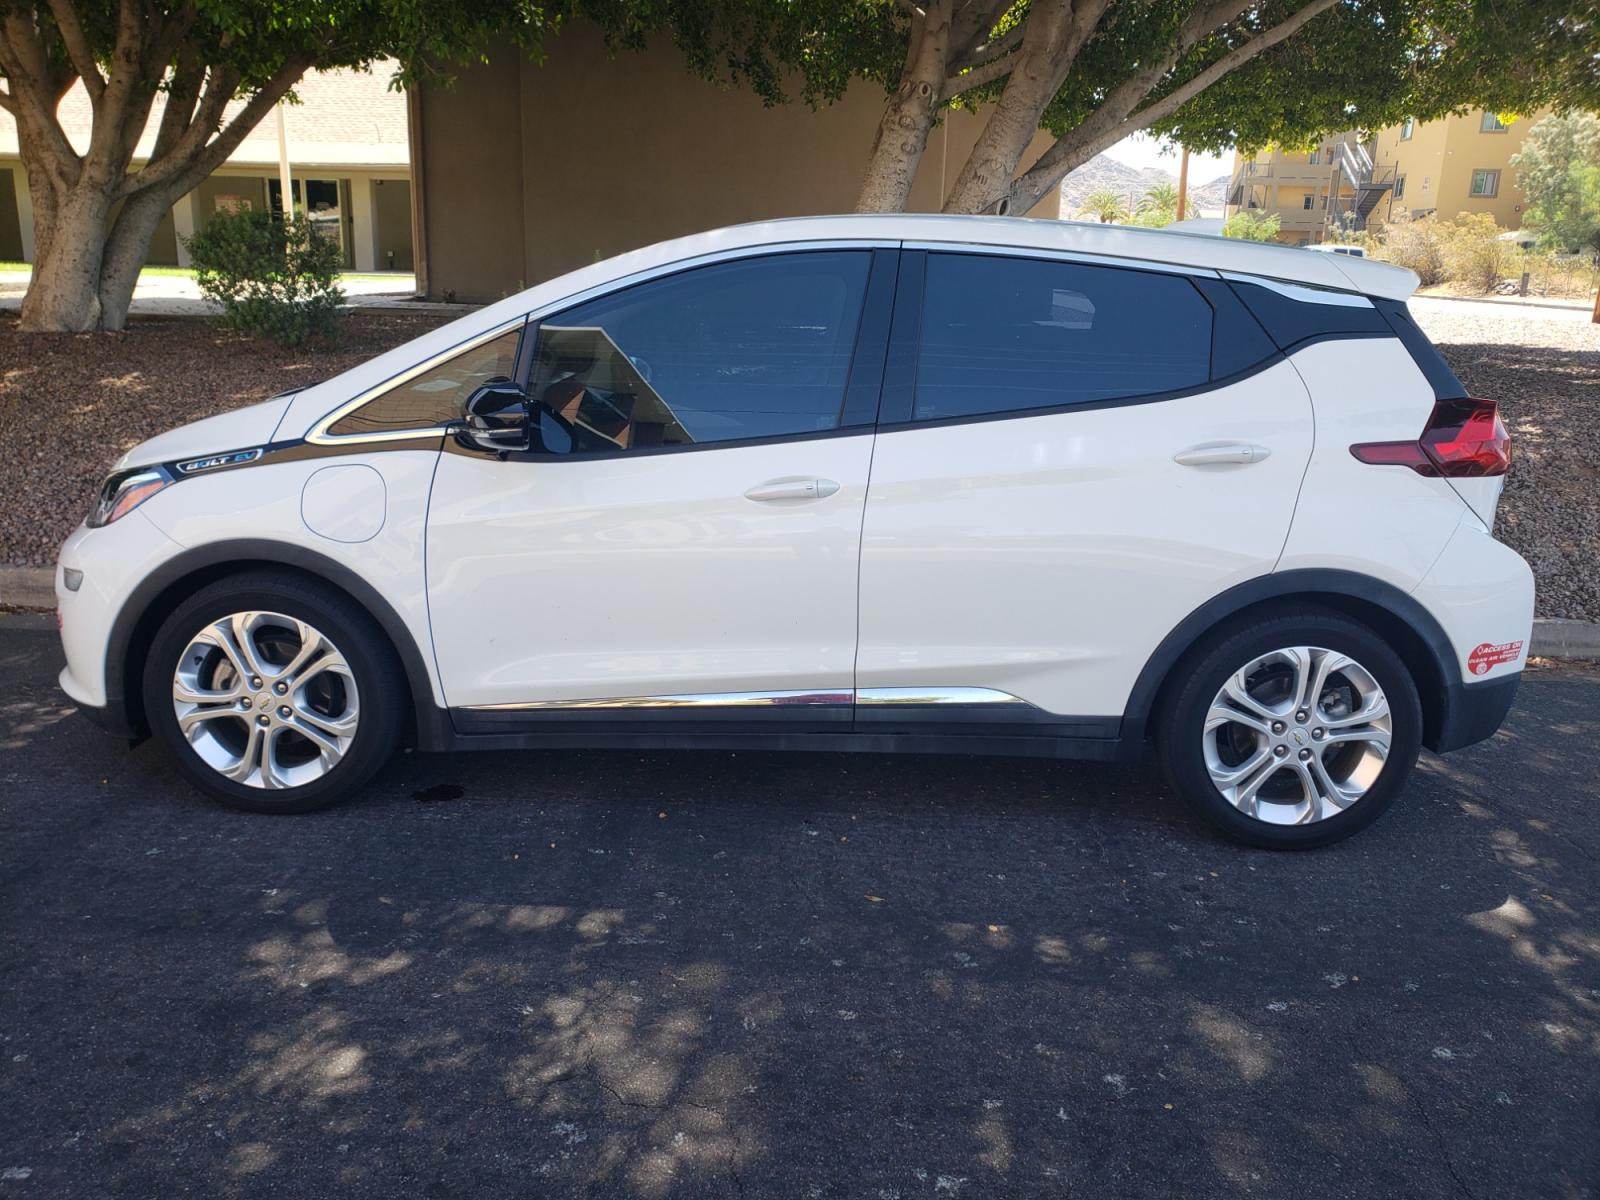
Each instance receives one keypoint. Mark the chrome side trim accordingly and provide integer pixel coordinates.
(1305, 293)
(319, 435)
(691, 700)
(905, 695)
(924, 695)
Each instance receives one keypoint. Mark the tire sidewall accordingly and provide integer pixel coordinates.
(379, 685)
(1182, 732)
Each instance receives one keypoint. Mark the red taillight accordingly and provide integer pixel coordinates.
(1462, 439)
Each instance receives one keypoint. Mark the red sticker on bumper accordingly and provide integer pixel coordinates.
(1488, 656)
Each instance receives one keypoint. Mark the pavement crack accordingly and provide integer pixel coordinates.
(1444, 1150)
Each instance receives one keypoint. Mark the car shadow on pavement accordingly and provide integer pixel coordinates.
(674, 975)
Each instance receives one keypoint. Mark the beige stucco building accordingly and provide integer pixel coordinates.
(1308, 188)
(1460, 164)
(349, 159)
(523, 171)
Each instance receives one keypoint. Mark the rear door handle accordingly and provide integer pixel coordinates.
(1213, 453)
(793, 487)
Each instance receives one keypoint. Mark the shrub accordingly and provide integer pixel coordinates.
(1474, 254)
(1417, 244)
(273, 277)
(1154, 218)
(1252, 227)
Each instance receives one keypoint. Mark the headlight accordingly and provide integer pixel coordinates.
(125, 491)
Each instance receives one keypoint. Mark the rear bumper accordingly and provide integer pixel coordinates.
(1472, 712)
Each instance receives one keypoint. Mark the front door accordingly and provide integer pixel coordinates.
(688, 533)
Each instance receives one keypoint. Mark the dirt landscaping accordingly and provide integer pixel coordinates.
(70, 404)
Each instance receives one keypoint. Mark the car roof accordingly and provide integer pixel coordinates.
(1135, 246)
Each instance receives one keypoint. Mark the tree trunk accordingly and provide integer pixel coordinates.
(63, 295)
(984, 185)
(908, 117)
(125, 253)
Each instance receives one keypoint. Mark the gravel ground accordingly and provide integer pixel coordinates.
(1544, 369)
(70, 404)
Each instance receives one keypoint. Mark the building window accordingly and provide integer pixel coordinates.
(1407, 128)
(1399, 186)
(1315, 157)
(1307, 201)
(1492, 124)
(1324, 201)
(1485, 183)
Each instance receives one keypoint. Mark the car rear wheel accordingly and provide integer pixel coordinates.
(1293, 730)
(272, 695)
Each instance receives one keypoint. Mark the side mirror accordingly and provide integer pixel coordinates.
(495, 417)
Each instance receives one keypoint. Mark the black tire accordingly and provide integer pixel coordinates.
(379, 681)
(1181, 722)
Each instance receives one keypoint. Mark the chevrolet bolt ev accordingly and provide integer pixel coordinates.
(905, 483)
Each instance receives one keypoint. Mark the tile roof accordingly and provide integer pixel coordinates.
(344, 118)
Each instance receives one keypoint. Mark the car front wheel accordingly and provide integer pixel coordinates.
(272, 695)
(1292, 731)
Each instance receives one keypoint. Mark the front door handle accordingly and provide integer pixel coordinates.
(1212, 453)
(792, 488)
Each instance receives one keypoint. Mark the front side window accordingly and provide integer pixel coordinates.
(435, 396)
(1485, 183)
(1009, 334)
(754, 348)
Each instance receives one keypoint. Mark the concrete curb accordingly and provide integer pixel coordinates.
(1510, 302)
(35, 588)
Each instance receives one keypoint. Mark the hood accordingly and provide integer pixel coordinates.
(238, 430)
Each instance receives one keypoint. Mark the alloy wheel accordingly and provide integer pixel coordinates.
(1297, 735)
(266, 700)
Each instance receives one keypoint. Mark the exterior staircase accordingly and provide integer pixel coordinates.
(1370, 183)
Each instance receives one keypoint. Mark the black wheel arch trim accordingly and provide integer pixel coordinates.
(137, 620)
(1451, 715)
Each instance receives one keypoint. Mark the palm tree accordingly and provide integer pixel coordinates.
(1163, 197)
(1104, 205)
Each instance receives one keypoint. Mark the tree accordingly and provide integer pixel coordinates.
(1252, 226)
(1212, 73)
(94, 211)
(1162, 197)
(1105, 206)
(1558, 170)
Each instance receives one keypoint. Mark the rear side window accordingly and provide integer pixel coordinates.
(755, 348)
(1012, 334)
(1293, 313)
(435, 396)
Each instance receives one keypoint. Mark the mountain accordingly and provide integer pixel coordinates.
(1131, 183)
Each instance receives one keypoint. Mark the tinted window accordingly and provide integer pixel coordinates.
(1001, 334)
(435, 396)
(748, 349)
(1292, 313)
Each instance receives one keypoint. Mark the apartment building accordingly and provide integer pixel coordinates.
(1460, 164)
(1306, 188)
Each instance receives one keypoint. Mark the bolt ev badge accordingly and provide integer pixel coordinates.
(234, 458)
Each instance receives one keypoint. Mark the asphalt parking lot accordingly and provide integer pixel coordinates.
(663, 975)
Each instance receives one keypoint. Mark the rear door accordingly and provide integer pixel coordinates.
(688, 536)
(1073, 456)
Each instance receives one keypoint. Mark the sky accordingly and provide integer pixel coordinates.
(1142, 150)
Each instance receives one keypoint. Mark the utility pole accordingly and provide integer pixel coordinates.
(1183, 185)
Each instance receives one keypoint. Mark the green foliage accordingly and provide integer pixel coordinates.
(1475, 254)
(274, 278)
(1252, 226)
(1163, 197)
(1558, 170)
(1154, 218)
(1105, 206)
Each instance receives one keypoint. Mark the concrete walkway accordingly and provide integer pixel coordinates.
(178, 295)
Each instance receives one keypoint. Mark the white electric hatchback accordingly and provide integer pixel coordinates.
(903, 483)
